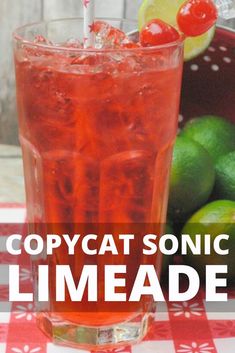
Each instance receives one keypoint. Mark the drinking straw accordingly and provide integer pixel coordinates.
(89, 17)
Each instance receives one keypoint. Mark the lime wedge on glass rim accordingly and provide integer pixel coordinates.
(166, 10)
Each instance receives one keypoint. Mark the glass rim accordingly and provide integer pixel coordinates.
(20, 38)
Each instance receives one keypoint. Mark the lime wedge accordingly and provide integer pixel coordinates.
(167, 10)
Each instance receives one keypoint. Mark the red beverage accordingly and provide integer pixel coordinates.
(97, 130)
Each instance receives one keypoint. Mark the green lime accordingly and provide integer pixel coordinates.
(225, 177)
(167, 10)
(214, 133)
(169, 228)
(192, 178)
(215, 218)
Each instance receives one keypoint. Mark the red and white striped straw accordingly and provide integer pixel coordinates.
(89, 17)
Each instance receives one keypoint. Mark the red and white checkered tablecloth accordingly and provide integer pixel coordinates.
(181, 328)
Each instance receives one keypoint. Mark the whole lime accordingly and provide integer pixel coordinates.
(215, 218)
(225, 177)
(191, 180)
(214, 133)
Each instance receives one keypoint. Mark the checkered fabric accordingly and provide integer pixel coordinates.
(180, 328)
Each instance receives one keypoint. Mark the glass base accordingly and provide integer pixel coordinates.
(94, 338)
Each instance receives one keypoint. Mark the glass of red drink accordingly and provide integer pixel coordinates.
(97, 129)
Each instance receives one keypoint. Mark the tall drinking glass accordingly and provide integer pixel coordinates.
(97, 129)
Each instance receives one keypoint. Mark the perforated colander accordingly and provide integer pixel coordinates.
(209, 80)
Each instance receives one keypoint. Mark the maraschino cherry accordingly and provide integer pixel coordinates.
(157, 32)
(196, 17)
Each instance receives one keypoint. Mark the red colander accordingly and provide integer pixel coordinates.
(209, 80)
